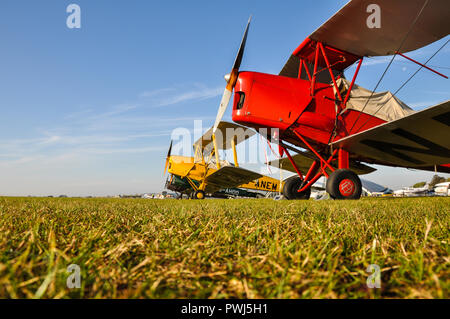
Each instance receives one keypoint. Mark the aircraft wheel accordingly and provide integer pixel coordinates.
(291, 187)
(199, 195)
(344, 184)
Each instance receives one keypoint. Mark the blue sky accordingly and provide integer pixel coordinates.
(90, 111)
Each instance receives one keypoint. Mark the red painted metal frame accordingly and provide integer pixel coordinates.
(353, 83)
(313, 81)
(322, 160)
(310, 183)
(306, 69)
(342, 59)
(300, 65)
(292, 162)
(422, 65)
(312, 170)
(319, 44)
(301, 46)
(320, 47)
(343, 159)
(318, 175)
(314, 166)
(324, 164)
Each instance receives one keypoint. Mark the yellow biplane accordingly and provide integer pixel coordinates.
(206, 173)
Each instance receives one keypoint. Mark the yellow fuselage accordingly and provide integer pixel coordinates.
(185, 166)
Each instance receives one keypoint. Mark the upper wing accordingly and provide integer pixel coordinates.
(420, 140)
(349, 32)
(304, 162)
(228, 177)
(225, 133)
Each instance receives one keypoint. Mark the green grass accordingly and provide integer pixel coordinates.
(224, 248)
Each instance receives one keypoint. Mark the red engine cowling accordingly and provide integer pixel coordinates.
(272, 101)
(265, 100)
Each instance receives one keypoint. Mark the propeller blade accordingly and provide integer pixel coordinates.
(167, 158)
(240, 54)
(165, 167)
(226, 97)
(231, 82)
(170, 149)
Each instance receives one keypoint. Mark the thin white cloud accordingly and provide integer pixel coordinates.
(132, 150)
(153, 99)
(422, 104)
(50, 140)
(74, 155)
(437, 92)
(78, 114)
(194, 95)
(30, 145)
(157, 92)
(116, 110)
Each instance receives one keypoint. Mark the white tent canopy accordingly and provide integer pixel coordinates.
(383, 105)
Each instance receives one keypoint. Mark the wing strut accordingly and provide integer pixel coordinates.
(423, 65)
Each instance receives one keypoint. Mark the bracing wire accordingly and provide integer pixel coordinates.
(390, 62)
(406, 82)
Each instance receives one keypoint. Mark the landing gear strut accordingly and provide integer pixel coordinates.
(344, 184)
(291, 187)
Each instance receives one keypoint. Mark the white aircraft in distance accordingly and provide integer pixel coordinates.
(373, 189)
(413, 191)
(442, 189)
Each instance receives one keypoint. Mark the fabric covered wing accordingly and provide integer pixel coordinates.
(420, 140)
(348, 30)
(304, 162)
(346, 36)
(228, 177)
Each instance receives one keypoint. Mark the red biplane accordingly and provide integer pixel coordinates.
(337, 124)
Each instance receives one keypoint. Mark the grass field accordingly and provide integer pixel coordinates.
(224, 248)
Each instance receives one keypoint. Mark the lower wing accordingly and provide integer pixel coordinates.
(229, 177)
(420, 140)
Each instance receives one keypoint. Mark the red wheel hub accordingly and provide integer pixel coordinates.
(347, 187)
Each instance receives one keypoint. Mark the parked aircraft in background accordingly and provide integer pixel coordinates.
(442, 189)
(413, 191)
(206, 173)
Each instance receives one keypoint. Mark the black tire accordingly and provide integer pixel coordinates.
(291, 187)
(344, 184)
(199, 195)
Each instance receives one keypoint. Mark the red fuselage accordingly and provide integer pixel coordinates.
(273, 101)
